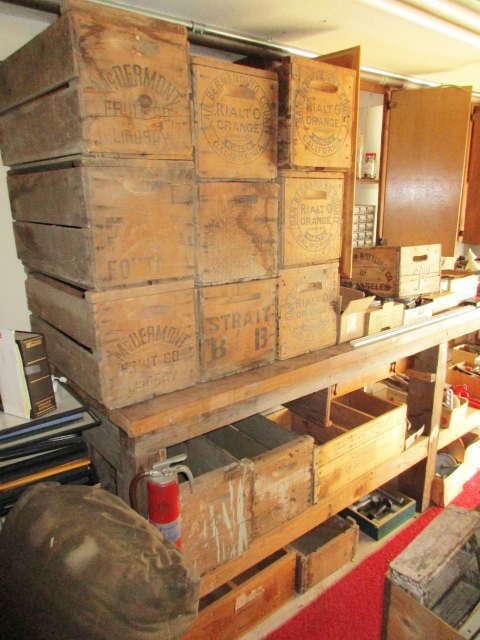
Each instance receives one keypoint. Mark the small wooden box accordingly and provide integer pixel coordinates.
(238, 231)
(217, 511)
(324, 550)
(398, 272)
(235, 120)
(106, 223)
(316, 114)
(310, 218)
(308, 301)
(237, 327)
(387, 316)
(120, 346)
(364, 431)
(232, 609)
(103, 80)
(378, 528)
(467, 452)
(283, 468)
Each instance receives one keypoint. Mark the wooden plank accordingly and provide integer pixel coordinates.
(177, 417)
(235, 120)
(237, 231)
(425, 166)
(471, 229)
(294, 528)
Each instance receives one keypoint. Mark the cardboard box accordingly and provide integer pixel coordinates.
(388, 316)
(453, 418)
(455, 376)
(466, 450)
(419, 313)
(463, 283)
(353, 319)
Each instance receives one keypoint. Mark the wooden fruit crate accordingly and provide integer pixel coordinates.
(308, 303)
(240, 604)
(399, 272)
(316, 114)
(120, 346)
(106, 223)
(283, 468)
(98, 80)
(237, 231)
(324, 550)
(310, 218)
(235, 120)
(364, 431)
(237, 327)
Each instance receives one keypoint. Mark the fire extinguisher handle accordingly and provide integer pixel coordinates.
(182, 468)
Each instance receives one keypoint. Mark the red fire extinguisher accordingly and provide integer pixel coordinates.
(163, 496)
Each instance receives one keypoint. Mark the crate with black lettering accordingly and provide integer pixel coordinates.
(237, 327)
(98, 80)
(122, 345)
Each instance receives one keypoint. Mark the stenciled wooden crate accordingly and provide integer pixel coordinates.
(308, 304)
(311, 208)
(237, 326)
(316, 114)
(364, 430)
(217, 510)
(122, 345)
(105, 223)
(283, 468)
(324, 550)
(235, 120)
(98, 80)
(237, 231)
(400, 272)
(232, 609)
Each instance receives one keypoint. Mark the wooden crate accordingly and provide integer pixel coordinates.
(399, 272)
(120, 346)
(237, 231)
(308, 301)
(365, 431)
(240, 604)
(467, 451)
(235, 120)
(310, 218)
(324, 550)
(467, 353)
(283, 468)
(237, 327)
(316, 114)
(456, 377)
(105, 223)
(217, 511)
(99, 80)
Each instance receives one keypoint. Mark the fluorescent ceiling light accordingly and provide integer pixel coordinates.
(451, 11)
(410, 13)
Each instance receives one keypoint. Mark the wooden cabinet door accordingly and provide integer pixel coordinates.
(349, 58)
(471, 229)
(427, 145)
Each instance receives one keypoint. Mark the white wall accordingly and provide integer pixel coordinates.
(17, 26)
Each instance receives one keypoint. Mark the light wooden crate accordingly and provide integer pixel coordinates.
(105, 223)
(235, 120)
(98, 80)
(122, 345)
(237, 231)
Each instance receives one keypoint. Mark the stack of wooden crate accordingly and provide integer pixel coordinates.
(96, 125)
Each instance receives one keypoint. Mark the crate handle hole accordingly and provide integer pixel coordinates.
(420, 258)
(324, 87)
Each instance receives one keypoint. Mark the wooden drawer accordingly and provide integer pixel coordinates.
(308, 302)
(235, 120)
(364, 432)
(283, 468)
(217, 514)
(324, 550)
(237, 231)
(316, 113)
(240, 604)
(128, 88)
(399, 272)
(310, 218)
(237, 327)
(466, 450)
(120, 346)
(106, 223)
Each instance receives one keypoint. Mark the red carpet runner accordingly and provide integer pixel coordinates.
(352, 608)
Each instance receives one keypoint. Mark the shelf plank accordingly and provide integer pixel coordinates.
(324, 509)
(184, 414)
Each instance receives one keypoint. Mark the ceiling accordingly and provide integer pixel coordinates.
(388, 41)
